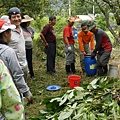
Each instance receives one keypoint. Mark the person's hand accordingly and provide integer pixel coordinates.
(93, 55)
(69, 48)
(84, 53)
(46, 44)
(29, 99)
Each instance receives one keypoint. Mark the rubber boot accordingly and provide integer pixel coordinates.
(73, 68)
(67, 67)
(105, 68)
(100, 71)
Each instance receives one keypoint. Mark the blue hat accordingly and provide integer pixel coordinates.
(14, 10)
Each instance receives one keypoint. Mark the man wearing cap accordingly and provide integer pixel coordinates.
(86, 43)
(28, 33)
(17, 39)
(18, 44)
(69, 46)
(49, 38)
(103, 48)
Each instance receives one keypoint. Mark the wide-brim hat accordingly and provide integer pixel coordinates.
(4, 26)
(27, 18)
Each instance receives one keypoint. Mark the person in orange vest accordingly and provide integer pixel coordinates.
(86, 43)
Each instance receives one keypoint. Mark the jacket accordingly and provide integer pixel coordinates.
(8, 56)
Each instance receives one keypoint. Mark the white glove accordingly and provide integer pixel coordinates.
(69, 48)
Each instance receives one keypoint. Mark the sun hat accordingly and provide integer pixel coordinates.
(27, 18)
(6, 18)
(51, 18)
(13, 11)
(4, 26)
(71, 19)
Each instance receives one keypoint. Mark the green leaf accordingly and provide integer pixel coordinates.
(92, 116)
(63, 100)
(65, 115)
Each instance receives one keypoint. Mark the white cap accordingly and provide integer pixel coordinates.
(4, 26)
(6, 18)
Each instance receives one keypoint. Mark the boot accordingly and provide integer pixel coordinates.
(73, 68)
(105, 70)
(100, 71)
(67, 67)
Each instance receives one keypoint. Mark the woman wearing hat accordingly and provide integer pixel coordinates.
(28, 33)
(10, 104)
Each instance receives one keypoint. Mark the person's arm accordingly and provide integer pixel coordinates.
(17, 75)
(80, 42)
(92, 42)
(44, 40)
(11, 105)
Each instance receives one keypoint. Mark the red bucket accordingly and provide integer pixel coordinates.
(74, 80)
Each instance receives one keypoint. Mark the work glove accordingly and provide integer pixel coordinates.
(93, 55)
(69, 49)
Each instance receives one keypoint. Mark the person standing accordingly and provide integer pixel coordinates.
(8, 56)
(49, 38)
(17, 39)
(69, 46)
(86, 43)
(28, 33)
(103, 48)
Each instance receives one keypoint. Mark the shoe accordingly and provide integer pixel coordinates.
(54, 74)
(33, 78)
(51, 73)
(69, 73)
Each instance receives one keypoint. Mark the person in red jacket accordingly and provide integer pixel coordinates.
(86, 43)
(103, 48)
(69, 46)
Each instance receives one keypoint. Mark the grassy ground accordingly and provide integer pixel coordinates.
(38, 86)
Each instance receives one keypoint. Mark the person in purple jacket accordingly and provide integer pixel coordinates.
(103, 48)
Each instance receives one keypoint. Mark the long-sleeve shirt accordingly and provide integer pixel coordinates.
(8, 56)
(103, 42)
(85, 38)
(10, 101)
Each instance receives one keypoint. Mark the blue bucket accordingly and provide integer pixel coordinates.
(90, 65)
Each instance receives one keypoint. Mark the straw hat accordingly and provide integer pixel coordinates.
(27, 18)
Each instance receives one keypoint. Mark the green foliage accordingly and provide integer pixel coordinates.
(94, 102)
(100, 20)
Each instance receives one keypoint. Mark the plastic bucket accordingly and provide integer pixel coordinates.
(114, 70)
(90, 65)
(74, 80)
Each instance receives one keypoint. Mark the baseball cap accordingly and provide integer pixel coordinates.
(4, 26)
(51, 18)
(71, 19)
(14, 10)
(6, 18)
(27, 18)
(91, 25)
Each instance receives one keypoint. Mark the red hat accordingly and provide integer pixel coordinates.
(4, 26)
